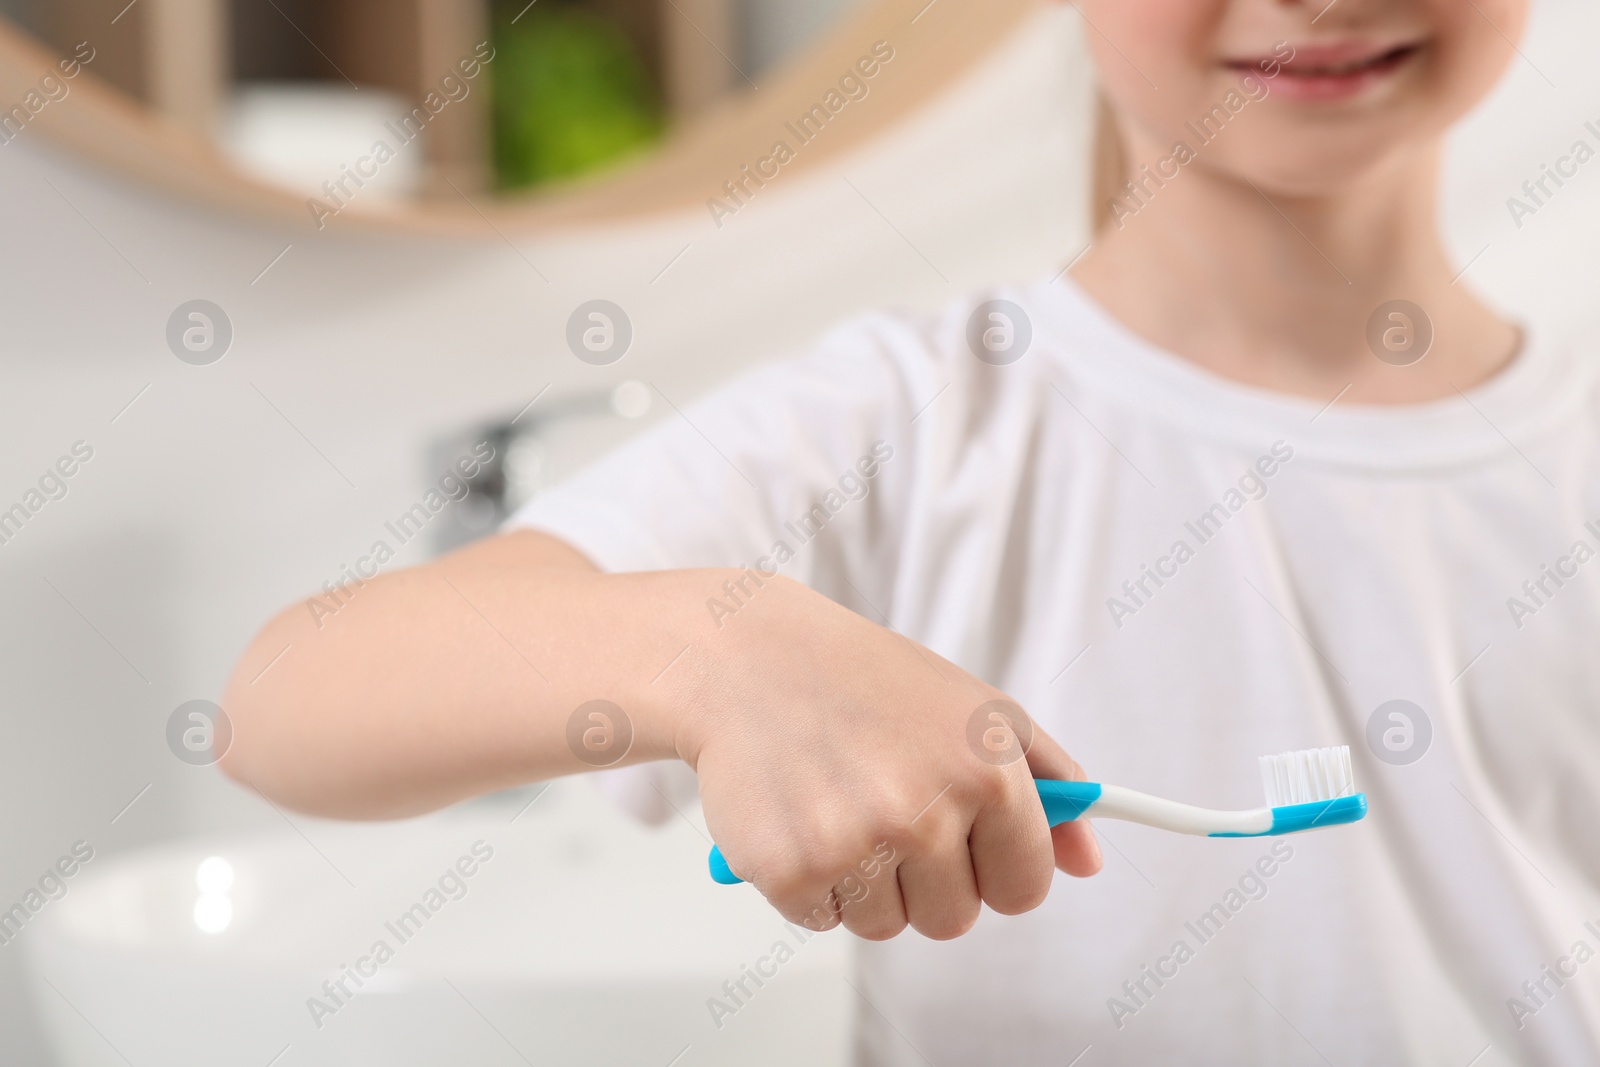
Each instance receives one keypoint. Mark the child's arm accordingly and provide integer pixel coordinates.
(818, 737)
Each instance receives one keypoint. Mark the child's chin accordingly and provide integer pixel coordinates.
(1311, 167)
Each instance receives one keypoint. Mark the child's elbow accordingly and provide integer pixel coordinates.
(268, 754)
(252, 752)
(264, 723)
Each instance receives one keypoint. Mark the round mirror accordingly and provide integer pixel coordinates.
(437, 112)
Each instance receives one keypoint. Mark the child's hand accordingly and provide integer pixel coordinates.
(838, 777)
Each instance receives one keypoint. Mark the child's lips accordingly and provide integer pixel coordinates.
(1331, 72)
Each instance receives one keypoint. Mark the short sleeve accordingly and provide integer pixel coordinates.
(803, 467)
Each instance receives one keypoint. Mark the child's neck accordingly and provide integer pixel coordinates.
(1277, 292)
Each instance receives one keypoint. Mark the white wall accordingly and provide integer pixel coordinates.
(203, 511)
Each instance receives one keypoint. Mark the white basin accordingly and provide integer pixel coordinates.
(583, 939)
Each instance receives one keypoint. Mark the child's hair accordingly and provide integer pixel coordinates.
(1108, 163)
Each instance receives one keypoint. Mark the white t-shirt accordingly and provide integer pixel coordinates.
(1334, 559)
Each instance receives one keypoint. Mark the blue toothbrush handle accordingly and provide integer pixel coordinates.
(720, 872)
(1063, 802)
(1066, 801)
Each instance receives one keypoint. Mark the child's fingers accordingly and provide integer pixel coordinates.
(872, 907)
(801, 888)
(939, 886)
(1011, 852)
(1076, 850)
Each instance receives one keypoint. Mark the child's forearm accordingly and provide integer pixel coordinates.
(456, 678)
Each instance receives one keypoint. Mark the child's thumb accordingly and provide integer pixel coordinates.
(1077, 851)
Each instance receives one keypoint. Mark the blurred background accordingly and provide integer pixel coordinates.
(279, 83)
(350, 354)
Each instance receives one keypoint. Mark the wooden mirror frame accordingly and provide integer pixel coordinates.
(933, 45)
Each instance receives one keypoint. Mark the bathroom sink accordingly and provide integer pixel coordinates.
(567, 936)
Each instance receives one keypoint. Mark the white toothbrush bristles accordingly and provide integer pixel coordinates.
(1307, 776)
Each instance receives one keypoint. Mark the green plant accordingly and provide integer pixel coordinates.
(570, 95)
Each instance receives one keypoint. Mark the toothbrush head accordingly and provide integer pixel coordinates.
(1311, 789)
(1307, 776)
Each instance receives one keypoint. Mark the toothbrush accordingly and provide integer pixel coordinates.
(1305, 790)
